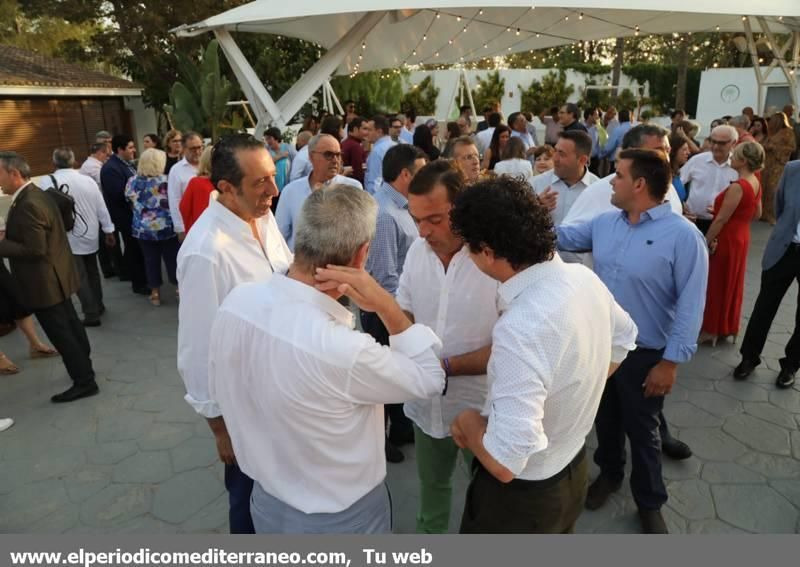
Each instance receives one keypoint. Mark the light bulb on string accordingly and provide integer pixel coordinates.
(580, 16)
(518, 31)
(438, 15)
(717, 28)
(480, 12)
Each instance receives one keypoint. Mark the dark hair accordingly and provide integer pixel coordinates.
(543, 149)
(486, 109)
(582, 141)
(381, 123)
(513, 118)
(120, 141)
(423, 139)
(528, 116)
(355, 124)
(764, 126)
(331, 125)
(553, 110)
(624, 115)
(676, 112)
(155, 139)
(225, 160)
(453, 130)
(308, 120)
(515, 149)
(503, 214)
(495, 119)
(573, 109)
(411, 114)
(464, 108)
(398, 158)
(634, 138)
(273, 133)
(188, 135)
(349, 101)
(652, 166)
(439, 172)
(675, 143)
(588, 112)
(494, 145)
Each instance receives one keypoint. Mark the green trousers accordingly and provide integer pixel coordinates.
(436, 462)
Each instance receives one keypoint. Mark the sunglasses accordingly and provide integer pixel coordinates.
(330, 156)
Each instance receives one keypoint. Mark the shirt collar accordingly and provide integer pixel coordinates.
(585, 179)
(308, 294)
(515, 285)
(228, 218)
(655, 213)
(395, 195)
(383, 140)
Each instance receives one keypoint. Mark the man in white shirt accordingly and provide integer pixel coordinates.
(179, 177)
(442, 288)
(467, 158)
(99, 152)
(83, 238)
(301, 165)
(559, 337)
(708, 174)
(326, 162)
(235, 240)
(483, 139)
(381, 142)
(519, 129)
(308, 425)
(570, 175)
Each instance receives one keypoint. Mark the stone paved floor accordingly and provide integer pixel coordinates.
(136, 459)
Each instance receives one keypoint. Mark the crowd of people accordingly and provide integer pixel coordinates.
(510, 296)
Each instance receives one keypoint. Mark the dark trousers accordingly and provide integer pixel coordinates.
(68, 336)
(90, 293)
(105, 255)
(625, 411)
(549, 506)
(703, 224)
(154, 251)
(133, 262)
(775, 283)
(240, 487)
(399, 424)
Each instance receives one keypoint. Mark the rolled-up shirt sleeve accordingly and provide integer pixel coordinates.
(407, 369)
(691, 278)
(199, 304)
(515, 430)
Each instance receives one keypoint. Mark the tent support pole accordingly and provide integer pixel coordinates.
(751, 46)
(469, 94)
(334, 98)
(779, 53)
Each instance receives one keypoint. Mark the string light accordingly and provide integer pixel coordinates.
(480, 12)
(485, 46)
(458, 18)
(636, 30)
(424, 37)
(517, 31)
(438, 15)
(717, 28)
(566, 18)
(580, 16)
(744, 18)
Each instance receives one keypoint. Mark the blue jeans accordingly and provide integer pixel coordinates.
(240, 487)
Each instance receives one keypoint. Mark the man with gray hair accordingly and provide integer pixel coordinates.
(742, 125)
(83, 238)
(99, 152)
(179, 177)
(325, 154)
(708, 174)
(308, 427)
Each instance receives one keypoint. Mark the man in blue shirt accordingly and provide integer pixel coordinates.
(394, 234)
(590, 118)
(609, 152)
(656, 265)
(381, 142)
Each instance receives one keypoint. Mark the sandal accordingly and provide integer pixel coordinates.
(7, 367)
(43, 352)
(155, 298)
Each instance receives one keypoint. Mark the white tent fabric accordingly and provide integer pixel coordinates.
(363, 35)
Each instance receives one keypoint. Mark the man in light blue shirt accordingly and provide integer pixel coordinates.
(325, 155)
(609, 152)
(590, 119)
(519, 129)
(409, 120)
(655, 263)
(381, 142)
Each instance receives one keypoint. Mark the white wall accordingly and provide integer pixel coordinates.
(144, 118)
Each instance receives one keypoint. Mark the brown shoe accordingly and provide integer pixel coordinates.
(652, 522)
(600, 490)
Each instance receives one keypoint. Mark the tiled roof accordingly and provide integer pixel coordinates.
(20, 67)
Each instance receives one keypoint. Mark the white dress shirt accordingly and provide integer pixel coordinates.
(559, 331)
(301, 391)
(91, 168)
(483, 139)
(90, 206)
(708, 179)
(460, 305)
(179, 177)
(301, 164)
(515, 168)
(566, 195)
(217, 255)
(596, 200)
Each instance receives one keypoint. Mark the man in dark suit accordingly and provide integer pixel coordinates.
(780, 267)
(36, 245)
(114, 176)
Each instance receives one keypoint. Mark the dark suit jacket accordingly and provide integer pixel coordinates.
(787, 208)
(113, 177)
(38, 250)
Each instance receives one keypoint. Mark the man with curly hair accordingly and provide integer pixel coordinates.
(559, 337)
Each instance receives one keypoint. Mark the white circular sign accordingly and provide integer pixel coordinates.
(729, 93)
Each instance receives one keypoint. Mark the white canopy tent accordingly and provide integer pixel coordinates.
(362, 35)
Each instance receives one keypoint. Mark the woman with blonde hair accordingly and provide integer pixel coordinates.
(198, 191)
(173, 142)
(779, 147)
(152, 222)
(728, 240)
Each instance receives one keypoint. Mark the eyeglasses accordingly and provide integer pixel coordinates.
(330, 156)
(470, 157)
(719, 142)
(194, 148)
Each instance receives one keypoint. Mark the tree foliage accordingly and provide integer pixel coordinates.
(421, 98)
(489, 90)
(374, 92)
(552, 90)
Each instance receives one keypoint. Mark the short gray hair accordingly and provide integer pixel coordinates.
(63, 158)
(152, 163)
(12, 160)
(322, 238)
(634, 138)
(312, 143)
(741, 121)
(103, 135)
(730, 130)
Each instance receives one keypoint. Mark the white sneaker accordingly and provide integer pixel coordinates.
(5, 423)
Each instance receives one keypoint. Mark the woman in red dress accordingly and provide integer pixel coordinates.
(198, 191)
(728, 240)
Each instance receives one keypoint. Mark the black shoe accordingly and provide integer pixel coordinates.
(91, 323)
(652, 522)
(600, 490)
(744, 369)
(142, 290)
(77, 392)
(676, 450)
(393, 454)
(404, 437)
(785, 379)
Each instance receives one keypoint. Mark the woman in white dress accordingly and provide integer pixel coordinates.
(513, 161)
